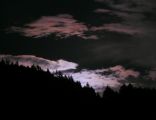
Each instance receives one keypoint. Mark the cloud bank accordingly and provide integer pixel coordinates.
(99, 79)
(29, 60)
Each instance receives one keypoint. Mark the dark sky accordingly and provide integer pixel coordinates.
(94, 34)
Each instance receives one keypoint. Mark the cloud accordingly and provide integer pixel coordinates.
(95, 79)
(130, 5)
(29, 60)
(123, 73)
(63, 25)
(135, 5)
(99, 79)
(119, 28)
(152, 75)
(92, 37)
(101, 10)
(104, 21)
(136, 15)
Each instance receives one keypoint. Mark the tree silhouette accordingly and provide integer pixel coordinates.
(33, 87)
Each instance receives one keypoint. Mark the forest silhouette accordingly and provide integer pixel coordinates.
(23, 86)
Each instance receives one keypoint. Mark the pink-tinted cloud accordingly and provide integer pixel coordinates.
(123, 73)
(62, 25)
(152, 75)
(96, 79)
(99, 79)
(119, 28)
(30, 60)
(65, 25)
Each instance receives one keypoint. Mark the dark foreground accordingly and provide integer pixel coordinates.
(28, 91)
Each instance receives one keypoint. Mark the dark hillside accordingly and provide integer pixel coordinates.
(34, 89)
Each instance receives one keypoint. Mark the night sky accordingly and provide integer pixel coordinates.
(100, 42)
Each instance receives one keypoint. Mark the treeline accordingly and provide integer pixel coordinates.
(25, 86)
(33, 82)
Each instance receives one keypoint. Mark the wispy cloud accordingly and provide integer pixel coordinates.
(135, 16)
(124, 73)
(130, 5)
(101, 10)
(63, 25)
(119, 28)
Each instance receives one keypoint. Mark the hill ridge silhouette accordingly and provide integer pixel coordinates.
(24, 86)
